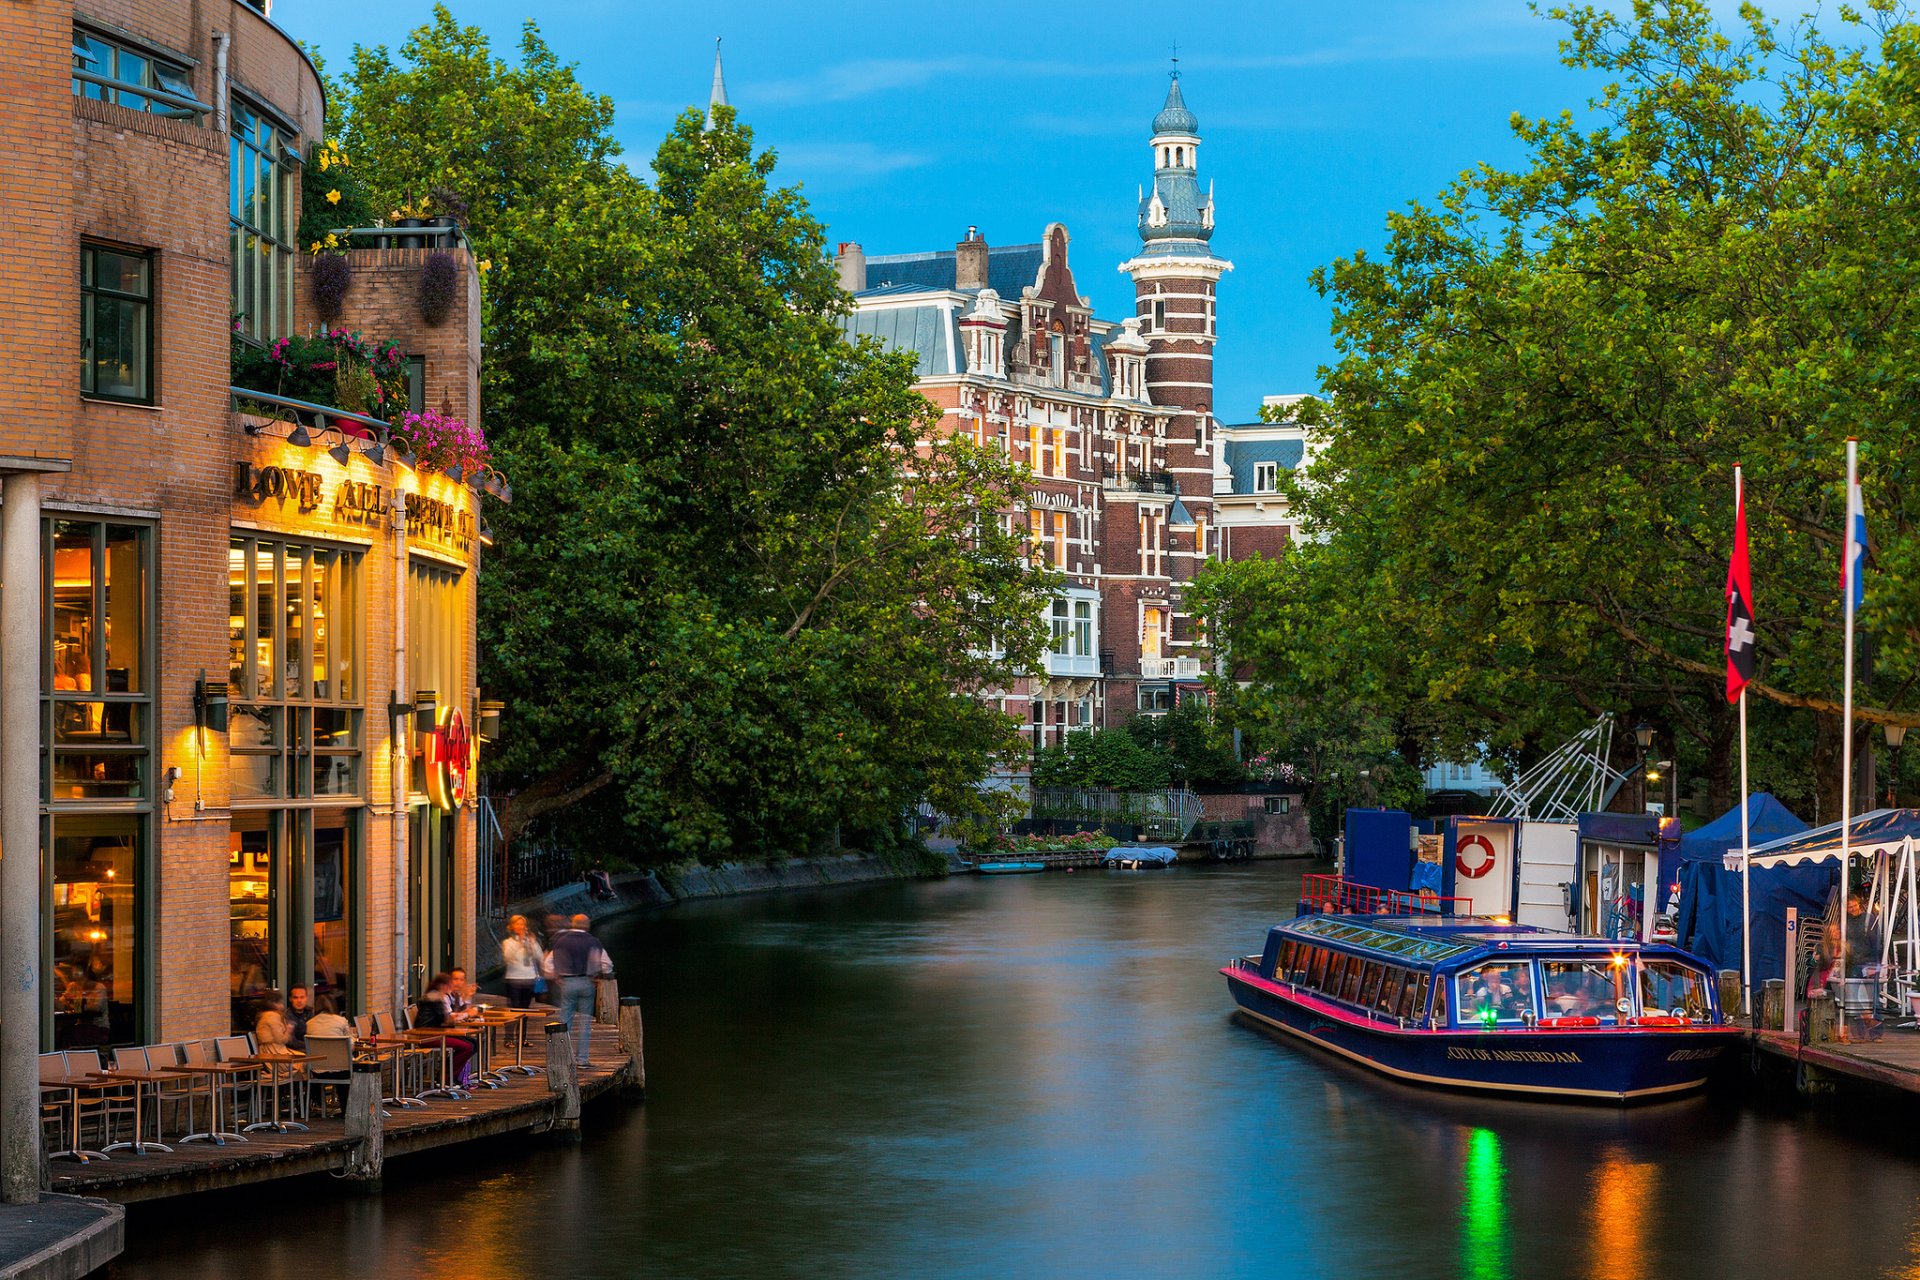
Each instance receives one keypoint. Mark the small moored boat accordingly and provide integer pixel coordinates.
(1009, 868)
(1140, 857)
(1472, 1003)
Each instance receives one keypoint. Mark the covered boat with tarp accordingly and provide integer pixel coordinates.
(1140, 857)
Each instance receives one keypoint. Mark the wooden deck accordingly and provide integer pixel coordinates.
(1892, 1061)
(523, 1104)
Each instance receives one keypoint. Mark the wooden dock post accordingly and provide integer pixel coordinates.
(563, 1079)
(606, 1001)
(1732, 999)
(1773, 1006)
(1820, 1017)
(366, 1157)
(633, 1043)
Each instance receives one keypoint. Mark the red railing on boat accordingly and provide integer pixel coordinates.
(1341, 896)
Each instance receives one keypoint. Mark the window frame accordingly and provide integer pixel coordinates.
(247, 147)
(1266, 477)
(149, 92)
(91, 289)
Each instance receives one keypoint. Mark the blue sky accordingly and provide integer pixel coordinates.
(905, 123)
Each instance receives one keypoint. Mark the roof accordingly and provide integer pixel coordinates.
(930, 331)
(1767, 820)
(1883, 830)
(1241, 455)
(1010, 268)
(1174, 117)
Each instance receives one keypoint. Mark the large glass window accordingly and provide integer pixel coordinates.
(262, 207)
(1496, 994)
(140, 80)
(1585, 988)
(95, 699)
(292, 874)
(294, 642)
(116, 324)
(93, 965)
(1669, 987)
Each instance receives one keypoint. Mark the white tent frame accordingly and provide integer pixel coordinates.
(1572, 779)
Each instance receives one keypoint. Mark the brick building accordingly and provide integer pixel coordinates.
(239, 703)
(1114, 418)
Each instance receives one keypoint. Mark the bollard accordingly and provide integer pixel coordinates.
(606, 1001)
(1773, 1005)
(1732, 1004)
(362, 1117)
(563, 1079)
(1820, 1017)
(633, 1043)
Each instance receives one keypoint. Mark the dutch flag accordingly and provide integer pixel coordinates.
(1853, 587)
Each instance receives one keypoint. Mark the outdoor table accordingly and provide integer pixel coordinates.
(271, 1064)
(104, 1080)
(522, 1016)
(424, 1035)
(389, 1049)
(482, 1075)
(76, 1151)
(212, 1071)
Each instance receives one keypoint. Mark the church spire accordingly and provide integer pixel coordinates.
(717, 97)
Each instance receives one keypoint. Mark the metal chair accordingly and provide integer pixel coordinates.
(329, 1065)
(71, 1106)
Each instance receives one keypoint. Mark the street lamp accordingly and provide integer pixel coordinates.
(1643, 734)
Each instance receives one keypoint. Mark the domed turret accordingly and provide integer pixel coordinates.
(1176, 210)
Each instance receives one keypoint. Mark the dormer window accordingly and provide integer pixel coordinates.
(1266, 477)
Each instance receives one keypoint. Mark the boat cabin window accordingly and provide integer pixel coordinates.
(1337, 964)
(1350, 984)
(1317, 971)
(1388, 1001)
(1371, 976)
(1669, 987)
(1284, 967)
(1591, 988)
(1496, 993)
(1439, 1000)
(1413, 996)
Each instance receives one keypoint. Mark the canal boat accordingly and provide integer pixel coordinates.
(1009, 868)
(1473, 1003)
(1140, 857)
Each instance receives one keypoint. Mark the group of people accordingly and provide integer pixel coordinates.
(282, 1026)
(565, 967)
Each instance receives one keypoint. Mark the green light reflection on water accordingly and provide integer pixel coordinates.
(1483, 1208)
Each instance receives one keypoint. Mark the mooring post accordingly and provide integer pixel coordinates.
(364, 1130)
(606, 1001)
(563, 1079)
(1773, 1006)
(1731, 999)
(1820, 1018)
(633, 1043)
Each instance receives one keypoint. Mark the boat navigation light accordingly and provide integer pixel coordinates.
(1619, 961)
(1503, 920)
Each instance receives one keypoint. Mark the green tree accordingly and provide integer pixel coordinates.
(744, 590)
(1523, 505)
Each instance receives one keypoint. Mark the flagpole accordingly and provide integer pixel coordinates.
(1746, 837)
(1853, 569)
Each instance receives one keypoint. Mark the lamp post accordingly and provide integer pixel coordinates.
(1896, 734)
(1643, 734)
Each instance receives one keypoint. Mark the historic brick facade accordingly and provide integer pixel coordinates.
(1114, 419)
(128, 153)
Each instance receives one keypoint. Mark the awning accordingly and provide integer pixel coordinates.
(1878, 832)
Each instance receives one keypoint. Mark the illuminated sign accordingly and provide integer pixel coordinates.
(448, 753)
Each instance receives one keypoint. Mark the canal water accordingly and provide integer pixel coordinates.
(1038, 1076)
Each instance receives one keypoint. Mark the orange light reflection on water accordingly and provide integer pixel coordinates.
(1620, 1209)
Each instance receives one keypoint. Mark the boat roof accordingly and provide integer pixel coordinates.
(1435, 940)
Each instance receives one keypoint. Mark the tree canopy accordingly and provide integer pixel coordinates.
(1522, 508)
(744, 589)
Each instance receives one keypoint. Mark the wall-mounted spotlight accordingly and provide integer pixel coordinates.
(299, 436)
(341, 453)
(489, 718)
(210, 704)
(377, 453)
(455, 474)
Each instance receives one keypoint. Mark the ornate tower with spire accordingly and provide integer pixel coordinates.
(717, 96)
(1176, 272)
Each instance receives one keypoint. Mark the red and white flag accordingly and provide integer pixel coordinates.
(1740, 636)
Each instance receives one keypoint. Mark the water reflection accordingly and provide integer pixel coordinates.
(1039, 1076)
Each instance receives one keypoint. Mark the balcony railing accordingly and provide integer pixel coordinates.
(1169, 668)
(1152, 482)
(1073, 664)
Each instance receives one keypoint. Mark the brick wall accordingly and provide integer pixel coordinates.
(1272, 832)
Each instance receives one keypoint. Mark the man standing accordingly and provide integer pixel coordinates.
(575, 958)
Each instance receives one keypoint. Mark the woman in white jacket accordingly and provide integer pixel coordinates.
(521, 954)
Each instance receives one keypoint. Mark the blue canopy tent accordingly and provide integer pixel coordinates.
(1709, 920)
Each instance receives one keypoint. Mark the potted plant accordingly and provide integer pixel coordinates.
(450, 208)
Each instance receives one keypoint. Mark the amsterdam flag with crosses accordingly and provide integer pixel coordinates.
(1740, 637)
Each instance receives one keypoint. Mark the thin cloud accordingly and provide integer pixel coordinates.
(809, 160)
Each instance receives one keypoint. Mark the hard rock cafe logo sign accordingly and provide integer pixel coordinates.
(448, 753)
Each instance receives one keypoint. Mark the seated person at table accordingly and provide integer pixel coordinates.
(1564, 999)
(85, 997)
(272, 1033)
(326, 1019)
(433, 1014)
(460, 993)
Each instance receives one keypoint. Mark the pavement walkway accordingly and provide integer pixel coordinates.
(61, 1238)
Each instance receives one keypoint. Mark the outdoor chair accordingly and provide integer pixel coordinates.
(68, 1106)
(438, 1059)
(329, 1067)
(181, 1090)
(115, 1102)
(225, 1050)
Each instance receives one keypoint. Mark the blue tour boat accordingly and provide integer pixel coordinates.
(1473, 1003)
